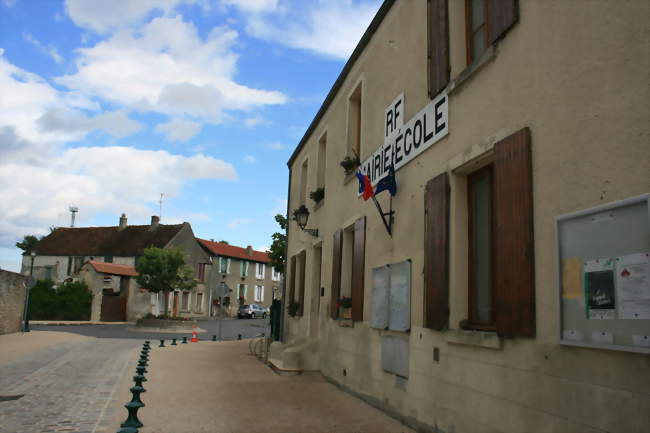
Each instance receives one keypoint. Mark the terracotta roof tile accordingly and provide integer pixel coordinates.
(221, 249)
(113, 269)
(105, 241)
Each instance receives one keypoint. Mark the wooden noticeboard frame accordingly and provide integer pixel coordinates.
(597, 306)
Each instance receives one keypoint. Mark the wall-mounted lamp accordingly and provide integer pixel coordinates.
(301, 216)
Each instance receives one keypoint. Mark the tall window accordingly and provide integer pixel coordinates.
(477, 28)
(241, 291)
(354, 122)
(199, 302)
(108, 259)
(224, 265)
(322, 163)
(303, 182)
(200, 272)
(243, 268)
(259, 293)
(479, 189)
(185, 301)
(259, 271)
(275, 276)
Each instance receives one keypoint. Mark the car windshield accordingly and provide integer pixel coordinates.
(243, 307)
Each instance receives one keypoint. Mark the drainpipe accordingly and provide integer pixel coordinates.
(283, 303)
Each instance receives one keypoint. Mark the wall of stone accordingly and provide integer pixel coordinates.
(12, 301)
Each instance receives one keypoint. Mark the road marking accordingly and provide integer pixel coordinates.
(117, 382)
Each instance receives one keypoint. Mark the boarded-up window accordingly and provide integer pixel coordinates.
(337, 248)
(514, 291)
(438, 46)
(292, 280)
(358, 268)
(436, 253)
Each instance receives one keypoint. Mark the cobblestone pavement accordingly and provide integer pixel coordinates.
(248, 328)
(67, 388)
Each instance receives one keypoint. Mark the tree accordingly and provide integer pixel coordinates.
(224, 242)
(279, 245)
(164, 270)
(28, 243)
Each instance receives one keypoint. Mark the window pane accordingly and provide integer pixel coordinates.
(477, 14)
(478, 43)
(481, 260)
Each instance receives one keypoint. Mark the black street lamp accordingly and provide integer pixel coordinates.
(28, 286)
(301, 216)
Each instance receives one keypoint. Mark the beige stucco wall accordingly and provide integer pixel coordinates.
(583, 93)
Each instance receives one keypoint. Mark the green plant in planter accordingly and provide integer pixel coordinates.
(345, 302)
(317, 195)
(350, 163)
(293, 308)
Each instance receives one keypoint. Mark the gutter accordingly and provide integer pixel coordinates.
(363, 42)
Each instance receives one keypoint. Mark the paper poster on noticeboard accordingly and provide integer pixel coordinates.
(599, 288)
(633, 286)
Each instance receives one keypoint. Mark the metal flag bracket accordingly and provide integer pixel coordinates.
(386, 217)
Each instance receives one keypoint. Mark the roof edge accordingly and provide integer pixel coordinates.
(363, 42)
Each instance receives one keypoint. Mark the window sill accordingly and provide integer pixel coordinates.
(467, 73)
(489, 340)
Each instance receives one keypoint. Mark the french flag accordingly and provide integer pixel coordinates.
(365, 186)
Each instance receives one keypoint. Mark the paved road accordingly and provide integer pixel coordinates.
(67, 387)
(230, 328)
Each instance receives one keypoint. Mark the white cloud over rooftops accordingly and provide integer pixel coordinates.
(179, 129)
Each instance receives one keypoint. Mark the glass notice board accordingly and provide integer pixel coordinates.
(604, 276)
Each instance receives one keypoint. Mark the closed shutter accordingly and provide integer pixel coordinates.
(358, 268)
(437, 46)
(292, 280)
(301, 283)
(514, 291)
(436, 253)
(336, 273)
(503, 14)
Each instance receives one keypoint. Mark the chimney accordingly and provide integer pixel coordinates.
(249, 251)
(155, 220)
(122, 222)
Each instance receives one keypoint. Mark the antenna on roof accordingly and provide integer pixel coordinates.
(160, 203)
(73, 212)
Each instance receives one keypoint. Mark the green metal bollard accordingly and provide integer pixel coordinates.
(214, 338)
(139, 378)
(143, 363)
(184, 340)
(141, 370)
(238, 336)
(132, 420)
(162, 343)
(128, 430)
(173, 342)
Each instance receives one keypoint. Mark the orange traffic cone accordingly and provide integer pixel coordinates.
(195, 338)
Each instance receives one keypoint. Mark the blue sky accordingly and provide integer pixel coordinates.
(107, 104)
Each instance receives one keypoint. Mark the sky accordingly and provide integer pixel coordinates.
(106, 105)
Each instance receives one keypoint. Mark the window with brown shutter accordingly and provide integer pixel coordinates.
(337, 250)
(437, 46)
(436, 253)
(486, 21)
(514, 266)
(358, 268)
(292, 280)
(302, 258)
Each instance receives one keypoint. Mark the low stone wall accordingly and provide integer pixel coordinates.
(12, 301)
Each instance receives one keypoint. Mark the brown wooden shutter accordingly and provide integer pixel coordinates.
(301, 283)
(436, 253)
(337, 250)
(514, 264)
(292, 280)
(437, 46)
(503, 14)
(358, 268)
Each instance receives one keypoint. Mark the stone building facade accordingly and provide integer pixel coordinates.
(12, 301)
(497, 117)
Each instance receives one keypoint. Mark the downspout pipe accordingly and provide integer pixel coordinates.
(286, 262)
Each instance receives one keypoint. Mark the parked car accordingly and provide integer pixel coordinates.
(252, 311)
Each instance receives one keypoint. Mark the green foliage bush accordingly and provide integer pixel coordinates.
(70, 301)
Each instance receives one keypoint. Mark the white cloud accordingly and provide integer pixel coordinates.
(74, 122)
(253, 5)
(50, 49)
(8, 3)
(102, 16)
(238, 222)
(331, 28)
(166, 67)
(254, 121)
(250, 159)
(179, 129)
(275, 146)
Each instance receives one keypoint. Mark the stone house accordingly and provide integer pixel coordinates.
(517, 133)
(63, 254)
(247, 274)
(12, 301)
